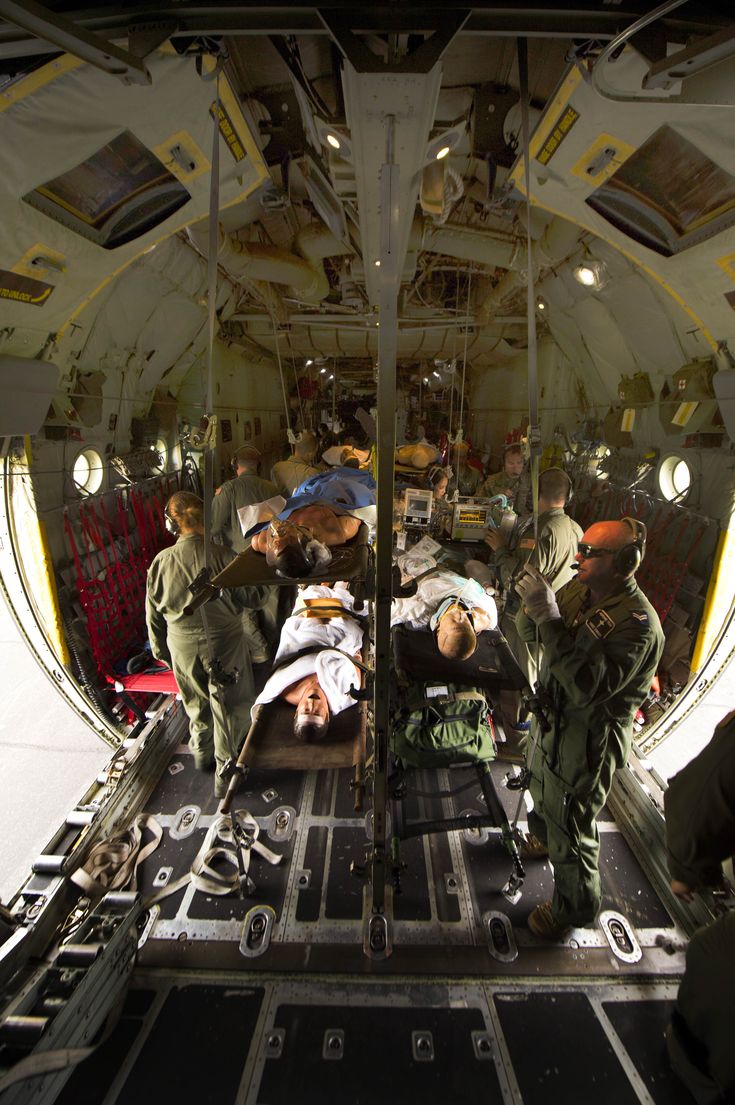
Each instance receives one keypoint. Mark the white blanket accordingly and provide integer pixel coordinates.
(416, 611)
(336, 673)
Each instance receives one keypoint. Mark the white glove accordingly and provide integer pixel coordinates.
(538, 598)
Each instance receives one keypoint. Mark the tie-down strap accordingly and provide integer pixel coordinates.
(113, 864)
(208, 873)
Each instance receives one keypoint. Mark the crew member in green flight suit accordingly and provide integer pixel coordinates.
(508, 480)
(602, 642)
(553, 554)
(218, 711)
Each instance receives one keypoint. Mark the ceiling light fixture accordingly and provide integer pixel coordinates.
(334, 138)
(322, 371)
(309, 362)
(590, 274)
(446, 141)
(377, 264)
(437, 375)
(541, 304)
(426, 379)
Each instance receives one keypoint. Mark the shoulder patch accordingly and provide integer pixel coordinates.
(527, 543)
(640, 616)
(600, 624)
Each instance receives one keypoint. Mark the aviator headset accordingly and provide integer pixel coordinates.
(245, 451)
(170, 522)
(569, 495)
(628, 559)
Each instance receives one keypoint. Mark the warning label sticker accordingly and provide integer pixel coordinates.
(558, 133)
(23, 289)
(229, 133)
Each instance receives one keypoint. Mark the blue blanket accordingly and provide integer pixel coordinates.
(343, 489)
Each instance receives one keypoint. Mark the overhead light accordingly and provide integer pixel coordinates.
(335, 139)
(322, 371)
(426, 379)
(309, 362)
(541, 304)
(437, 375)
(332, 376)
(446, 141)
(591, 274)
(585, 275)
(377, 264)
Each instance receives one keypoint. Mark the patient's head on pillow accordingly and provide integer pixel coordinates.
(293, 550)
(311, 716)
(455, 636)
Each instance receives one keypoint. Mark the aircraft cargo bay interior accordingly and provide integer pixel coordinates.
(367, 425)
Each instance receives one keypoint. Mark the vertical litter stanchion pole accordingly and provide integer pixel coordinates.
(534, 430)
(378, 923)
(211, 440)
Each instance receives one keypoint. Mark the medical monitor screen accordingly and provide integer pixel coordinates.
(472, 517)
(417, 504)
(117, 194)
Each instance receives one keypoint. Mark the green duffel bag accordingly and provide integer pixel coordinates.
(443, 724)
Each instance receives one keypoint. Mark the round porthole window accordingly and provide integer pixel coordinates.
(674, 478)
(88, 471)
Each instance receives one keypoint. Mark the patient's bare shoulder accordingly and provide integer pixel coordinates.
(348, 526)
(328, 527)
(260, 539)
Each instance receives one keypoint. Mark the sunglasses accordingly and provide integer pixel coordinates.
(590, 552)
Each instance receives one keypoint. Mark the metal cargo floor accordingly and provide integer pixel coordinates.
(314, 1019)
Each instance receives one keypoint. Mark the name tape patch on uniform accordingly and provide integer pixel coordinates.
(600, 624)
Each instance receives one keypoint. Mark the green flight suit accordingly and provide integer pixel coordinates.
(553, 555)
(219, 716)
(699, 806)
(701, 1039)
(597, 667)
(500, 483)
(287, 475)
(245, 490)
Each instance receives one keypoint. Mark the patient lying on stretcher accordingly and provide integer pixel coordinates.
(308, 672)
(325, 511)
(455, 609)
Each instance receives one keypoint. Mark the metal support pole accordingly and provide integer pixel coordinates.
(386, 441)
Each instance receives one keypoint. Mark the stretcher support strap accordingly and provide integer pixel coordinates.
(460, 431)
(276, 337)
